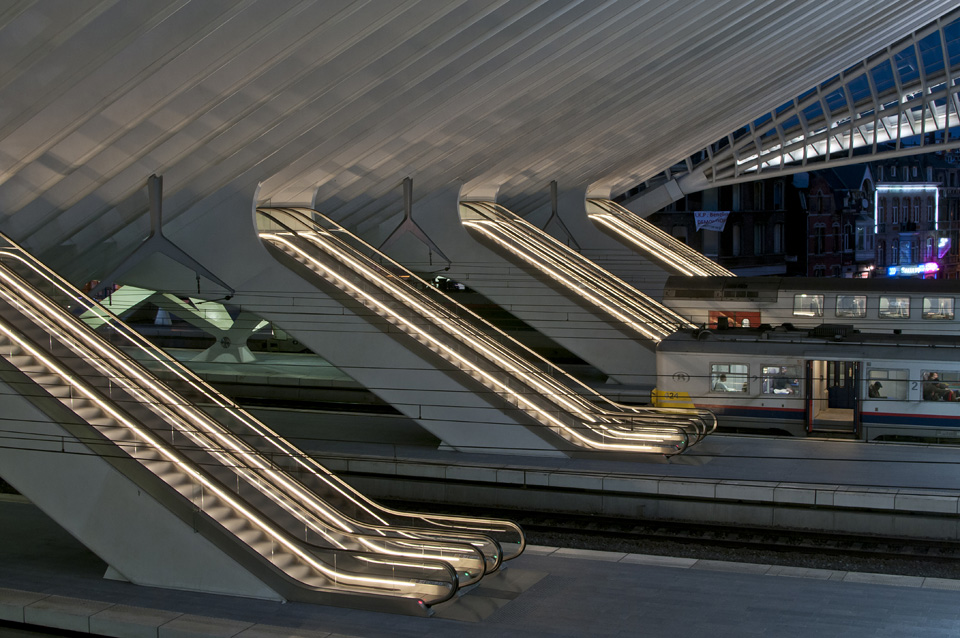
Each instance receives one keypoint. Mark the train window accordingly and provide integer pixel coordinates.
(937, 308)
(780, 379)
(894, 307)
(729, 377)
(939, 385)
(808, 305)
(851, 305)
(894, 384)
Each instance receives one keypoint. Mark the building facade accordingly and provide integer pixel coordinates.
(894, 218)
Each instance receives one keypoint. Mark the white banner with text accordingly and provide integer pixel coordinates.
(711, 219)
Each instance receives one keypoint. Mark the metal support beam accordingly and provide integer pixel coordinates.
(157, 243)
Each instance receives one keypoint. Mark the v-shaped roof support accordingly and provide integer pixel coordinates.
(157, 243)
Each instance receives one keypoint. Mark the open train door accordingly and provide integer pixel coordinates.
(832, 405)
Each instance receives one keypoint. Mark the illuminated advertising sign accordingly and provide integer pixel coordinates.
(913, 269)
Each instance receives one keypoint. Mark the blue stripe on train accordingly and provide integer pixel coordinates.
(866, 418)
(914, 420)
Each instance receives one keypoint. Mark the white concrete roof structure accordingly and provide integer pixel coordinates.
(334, 103)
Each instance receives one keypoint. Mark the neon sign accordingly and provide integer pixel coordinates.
(913, 269)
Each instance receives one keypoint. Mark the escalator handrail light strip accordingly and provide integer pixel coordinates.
(454, 355)
(275, 535)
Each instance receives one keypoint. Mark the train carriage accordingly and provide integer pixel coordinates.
(831, 380)
(921, 306)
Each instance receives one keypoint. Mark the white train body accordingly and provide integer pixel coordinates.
(914, 306)
(815, 382)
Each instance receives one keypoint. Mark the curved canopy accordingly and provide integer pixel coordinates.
(336, 102)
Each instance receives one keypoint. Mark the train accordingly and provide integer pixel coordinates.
(831, 380)
(920, 306)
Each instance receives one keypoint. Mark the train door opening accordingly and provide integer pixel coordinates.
(833, 401)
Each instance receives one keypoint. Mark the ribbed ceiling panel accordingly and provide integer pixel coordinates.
(342, 99)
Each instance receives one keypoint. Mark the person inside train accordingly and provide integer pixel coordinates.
(721, 385)
(874, 390)
(936, 390)
(781, 383)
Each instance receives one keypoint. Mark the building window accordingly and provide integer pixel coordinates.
(819, 233)
(914, 171)
(916, 210)
(895, 252)
(737, 239)
(893, 170)
(759, 238)
(819, 271)
(758, 196)
(895, 211)
(847, 234)
(881, 212)
(746, 197)
(777, 238)
(778, 195)
(711, 243)
(930, 209)
(881, 253)
(928, 251)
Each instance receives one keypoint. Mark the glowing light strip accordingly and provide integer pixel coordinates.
(481, 226)
(236, 465)
(576, 265)
(389, 312)
(132, 381)
(249, 459)
(313, 468)
(694, 421)
(652, 238)
(398, 293)
(448, 320)
(655, 249)
(268, 435)
(909, 188)
(687, 420)
(516, 365)
(538, 257)
(275, 535)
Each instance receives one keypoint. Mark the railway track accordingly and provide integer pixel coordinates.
(887, 555)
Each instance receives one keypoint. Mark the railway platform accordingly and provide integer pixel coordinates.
(824, 485)
(50, 581)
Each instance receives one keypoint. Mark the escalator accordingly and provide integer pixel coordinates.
(304, 533)
(670, 253)
(324, 253)
(587, 282)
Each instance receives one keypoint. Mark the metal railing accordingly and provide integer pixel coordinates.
(659, 246)
(528, 382)
(214, 456)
